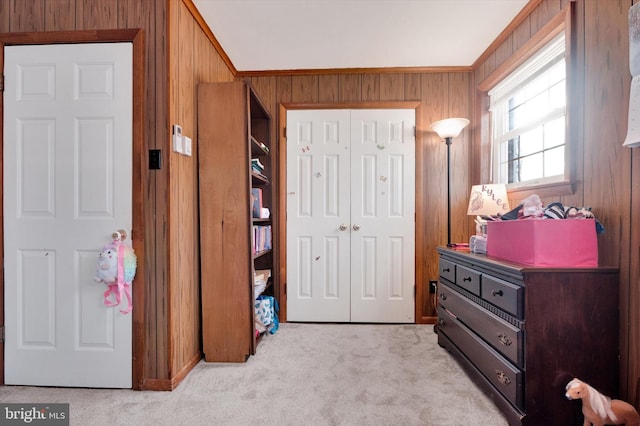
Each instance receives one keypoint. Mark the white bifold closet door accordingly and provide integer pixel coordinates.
(351, 215)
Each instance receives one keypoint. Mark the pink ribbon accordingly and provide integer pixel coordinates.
(120, 286)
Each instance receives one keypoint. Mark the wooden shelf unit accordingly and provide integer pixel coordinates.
(233, 128)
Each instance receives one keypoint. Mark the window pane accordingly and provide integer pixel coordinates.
(513, 148)
(557, 72)
(531, 167)
(554, 133)
(531, 141)
(537, 86)
(554, 162)
(517, 98)
(538, 106)
(557, 95)
(517, 117)
(514, 171)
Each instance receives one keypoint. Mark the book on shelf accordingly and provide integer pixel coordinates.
(256, 202)
(257, 165)
(261, 238)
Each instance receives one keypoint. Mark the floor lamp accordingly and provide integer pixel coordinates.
(448, 129)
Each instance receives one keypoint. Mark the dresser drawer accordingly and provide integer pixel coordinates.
(504, 337)
(468, 279)
(503, 294)
(505, 377)
(448, 270)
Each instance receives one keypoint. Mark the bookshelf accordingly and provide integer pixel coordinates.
(235, 163)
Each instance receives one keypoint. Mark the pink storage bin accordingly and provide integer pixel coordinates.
(544, 242)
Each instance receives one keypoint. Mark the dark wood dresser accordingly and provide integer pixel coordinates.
(523, 332)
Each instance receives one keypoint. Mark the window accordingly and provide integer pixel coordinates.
(528, 111)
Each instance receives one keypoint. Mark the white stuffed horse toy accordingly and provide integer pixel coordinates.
(600, 410)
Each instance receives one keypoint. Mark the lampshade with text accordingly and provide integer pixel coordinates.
(488, 200)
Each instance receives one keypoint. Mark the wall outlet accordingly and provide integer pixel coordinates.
(177, 139)
(433, 287)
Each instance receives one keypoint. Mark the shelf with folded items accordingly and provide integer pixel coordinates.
(262, 282)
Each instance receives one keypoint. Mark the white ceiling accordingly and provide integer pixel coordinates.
(264, 35)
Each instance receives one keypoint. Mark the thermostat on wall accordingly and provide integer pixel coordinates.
(177, 138)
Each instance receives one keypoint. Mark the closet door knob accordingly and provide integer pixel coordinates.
(356, 227)
(343, 227)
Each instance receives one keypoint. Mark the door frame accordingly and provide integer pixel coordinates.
(419, 188)
(139, 173)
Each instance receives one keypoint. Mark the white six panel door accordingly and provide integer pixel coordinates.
(382, 216)
(318, 216)
(351, 215)
(67, 188)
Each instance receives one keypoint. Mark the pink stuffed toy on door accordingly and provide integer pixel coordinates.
(116, 268)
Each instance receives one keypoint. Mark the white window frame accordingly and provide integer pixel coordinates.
(544, 59)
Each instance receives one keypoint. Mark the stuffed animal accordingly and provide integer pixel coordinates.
(107, 268)
(599, 410)
(116, 268)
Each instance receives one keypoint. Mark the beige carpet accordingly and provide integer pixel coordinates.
(305, 374)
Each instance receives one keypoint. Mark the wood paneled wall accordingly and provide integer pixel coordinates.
(192, 60)
(443, 95)
(179, 56)
(605, 172)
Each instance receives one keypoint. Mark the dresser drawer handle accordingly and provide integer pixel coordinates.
(446, 270)
(504, 339)
(466, 279)
(442, 322)
(443, 296)
(496, 292)
(502, 377)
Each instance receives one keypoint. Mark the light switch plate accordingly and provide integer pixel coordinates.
(186, 146)
(177, 139)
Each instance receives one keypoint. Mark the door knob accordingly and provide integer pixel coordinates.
(120, 234)
(343, 227)
(356, 227)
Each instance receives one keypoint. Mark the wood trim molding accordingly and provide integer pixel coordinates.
(520, 17)
(172, 383)
(58, 37)
(281, 196)
(552, 28)
(352, 105)
(136, 37)
(140, 179)
(338, 71)
(420, 220)
(2, 323)
(212, 38)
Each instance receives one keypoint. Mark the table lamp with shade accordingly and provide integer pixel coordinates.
(487, 201)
